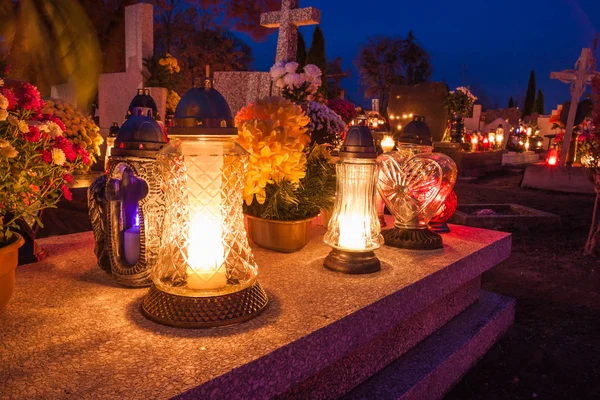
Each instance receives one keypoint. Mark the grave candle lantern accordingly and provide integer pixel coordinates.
(113, 132)
(500, 136)
(206, 275)
(354, 230)
(414, 182)
(135, 201)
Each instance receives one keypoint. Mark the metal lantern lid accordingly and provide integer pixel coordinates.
(114, 130)
(417, 131)
(143, 104)
(139, 136)
(359, 143)
(203, 111)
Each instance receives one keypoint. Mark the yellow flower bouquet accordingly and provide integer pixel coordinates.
(287, 178)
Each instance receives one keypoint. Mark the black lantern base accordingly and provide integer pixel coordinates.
(204, 312)
(412, 239)
(439, 227)
(350, 262)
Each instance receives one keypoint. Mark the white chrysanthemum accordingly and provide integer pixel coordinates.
(53, 129)
(280, 83)
(312, 70)
(291, 67)
(3, 115)
(58, 157)
(291, 79)
(23, 126)
(3, 102)
(276, 72)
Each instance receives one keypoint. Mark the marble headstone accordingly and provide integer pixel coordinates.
(425, 99)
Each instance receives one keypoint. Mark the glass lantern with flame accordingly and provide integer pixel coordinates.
(134, 202)
(206, 275)
(354, 230)
(414, 182)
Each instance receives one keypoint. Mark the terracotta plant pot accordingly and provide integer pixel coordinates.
(9, 257)
(282, 236)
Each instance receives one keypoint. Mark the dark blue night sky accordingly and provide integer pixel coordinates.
(489, 45)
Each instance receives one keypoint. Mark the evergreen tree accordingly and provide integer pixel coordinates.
(316, 55)
(301, 51)
(539, 103)
(529, 96)
(511, 102)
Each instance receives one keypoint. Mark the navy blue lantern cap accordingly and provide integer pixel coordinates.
(143, 105)
(139, 136)
(203, 111)
(359, 143)
(417, 132)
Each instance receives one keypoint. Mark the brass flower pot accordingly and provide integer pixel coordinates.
(282, 236)
(9, 258)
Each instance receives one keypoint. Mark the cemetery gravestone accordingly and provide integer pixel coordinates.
(426, 99)
(578, 79)
(242, 87)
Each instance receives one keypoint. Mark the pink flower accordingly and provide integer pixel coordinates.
(33, 135)
(67, 192)
(68, 178)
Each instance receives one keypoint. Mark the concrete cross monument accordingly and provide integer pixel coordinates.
(579, 78)
(115, 90)
(288, 19)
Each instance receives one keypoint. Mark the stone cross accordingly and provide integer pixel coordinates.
(288, 20)
(579, 78)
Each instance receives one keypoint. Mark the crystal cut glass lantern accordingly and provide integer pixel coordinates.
(354, 230)
(414, 183)
(206, 275)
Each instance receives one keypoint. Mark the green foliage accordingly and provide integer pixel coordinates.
(286, 201)
(156, 75)
(529, 96)
(316, 55)
(301, 51)
(539, 103)
(385, 61)
(511, 103)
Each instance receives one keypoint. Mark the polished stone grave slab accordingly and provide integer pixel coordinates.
(557, 178)
(71, 331)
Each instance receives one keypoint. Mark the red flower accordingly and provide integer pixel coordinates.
(67, 147)
(28, 96)
(66, 192)
(33, 135)
(47, 157)
(10, 96)
(85, 156)
(68, 178)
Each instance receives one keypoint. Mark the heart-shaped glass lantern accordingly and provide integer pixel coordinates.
(414, 182)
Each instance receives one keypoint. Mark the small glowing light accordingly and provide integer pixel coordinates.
(552, 160)
(527, 145)
(387, 143)
(410, 115)
(137, 220)
(492, 137)
(499, 138)
(521, 142)
(399, 126)
(392, 116)
(404, 116)
(539, 143)
(474, 140)
(529, 131)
